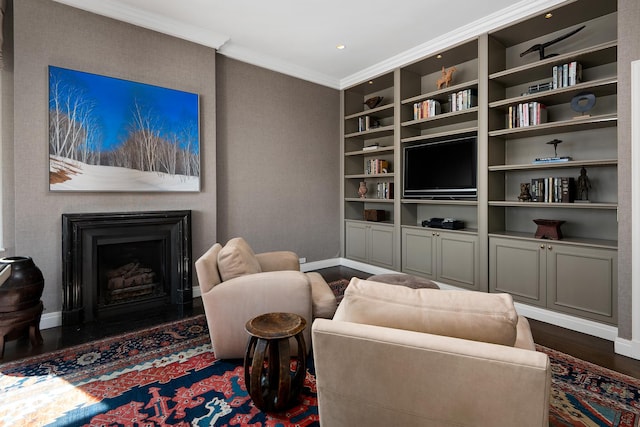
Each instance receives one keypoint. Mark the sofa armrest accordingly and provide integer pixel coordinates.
(378, 376)
(229, 305)
(278, 261)
(524, 338)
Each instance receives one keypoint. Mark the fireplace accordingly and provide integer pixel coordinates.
(125, 263)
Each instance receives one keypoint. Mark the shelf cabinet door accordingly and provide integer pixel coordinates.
(356, 241)
(381, 247)
(519, 268)
(439, 255)
(418, 252)
(370, 243)
(583, 281)
(457, 259)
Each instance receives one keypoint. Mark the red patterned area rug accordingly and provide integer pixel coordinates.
(164, 376)
(168, 376)
(584, 394)
(338, 287)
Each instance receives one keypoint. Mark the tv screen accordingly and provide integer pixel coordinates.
(443, 169)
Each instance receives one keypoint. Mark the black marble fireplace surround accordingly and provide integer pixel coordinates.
(144, 256)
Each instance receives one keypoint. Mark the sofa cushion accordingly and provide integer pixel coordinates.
(468, 315)
(236, 259)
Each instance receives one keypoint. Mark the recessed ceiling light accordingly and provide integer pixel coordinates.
(370, 82)
(340, 46)
(439, 56)
(548, 15)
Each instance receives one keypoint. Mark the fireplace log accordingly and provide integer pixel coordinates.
(133, 280)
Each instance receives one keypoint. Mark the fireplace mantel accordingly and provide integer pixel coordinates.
(82, 233)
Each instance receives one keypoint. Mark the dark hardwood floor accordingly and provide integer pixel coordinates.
(585, 347)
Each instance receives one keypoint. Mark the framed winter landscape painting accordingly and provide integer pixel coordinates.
(109, 134)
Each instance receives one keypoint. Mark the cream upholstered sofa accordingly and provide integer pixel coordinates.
(236, 285)
(395, 356)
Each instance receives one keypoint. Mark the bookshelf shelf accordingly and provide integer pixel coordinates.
(531, 205)
(559, 165)
(592, 56)
(443, 119)
(601, 87)
(561, 126)
(370, 152)
(442, 93)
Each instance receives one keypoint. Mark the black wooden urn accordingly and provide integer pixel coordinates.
(20, 305)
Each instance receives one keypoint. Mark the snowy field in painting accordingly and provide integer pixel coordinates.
(71, 175)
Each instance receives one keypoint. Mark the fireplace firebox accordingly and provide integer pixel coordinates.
(125, 263)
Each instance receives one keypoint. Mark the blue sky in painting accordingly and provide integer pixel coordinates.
(114, 100)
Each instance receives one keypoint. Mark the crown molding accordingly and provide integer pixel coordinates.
(489, 23)
(121, 12)
(265, 61)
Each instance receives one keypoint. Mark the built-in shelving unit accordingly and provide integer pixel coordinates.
(498, 70)
(375, 142)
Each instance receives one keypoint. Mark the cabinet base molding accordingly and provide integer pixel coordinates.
(589, 327)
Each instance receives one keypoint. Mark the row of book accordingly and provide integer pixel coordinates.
(552, 190)
(527, 114)
(384, 190)
(564, 75)
(375, 166)
(367, 123)
(463, 100)
(426, 109)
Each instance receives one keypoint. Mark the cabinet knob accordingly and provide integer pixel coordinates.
(541, 246)
(549, 247)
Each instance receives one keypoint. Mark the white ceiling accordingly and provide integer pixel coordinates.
(299, 38)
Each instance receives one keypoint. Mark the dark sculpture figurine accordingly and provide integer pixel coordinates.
(525, 195)
(541, 46)
(583, 185)
(555, 143)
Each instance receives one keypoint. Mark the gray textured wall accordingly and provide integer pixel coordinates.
(273, 177)
(278, 156)
(48, 33)
(628, 51)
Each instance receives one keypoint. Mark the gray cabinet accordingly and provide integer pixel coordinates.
(369, 242)
(518, 267)
(573, 279)
(445, 256)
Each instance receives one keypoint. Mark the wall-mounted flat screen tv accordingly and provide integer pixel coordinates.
(441, 170)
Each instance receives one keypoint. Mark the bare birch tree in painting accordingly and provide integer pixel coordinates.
(144, 141)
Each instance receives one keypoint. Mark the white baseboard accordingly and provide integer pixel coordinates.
(317, 265)
(577, 324)
(628, 348)
(51, 320)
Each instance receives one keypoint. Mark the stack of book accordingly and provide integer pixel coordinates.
(553, 190)
(426, 109)
(540, 160)
(375, 166)
(367, 123)
(566, 74)
(539, 87)
(384, 190)
(463, 100)
(527, 114)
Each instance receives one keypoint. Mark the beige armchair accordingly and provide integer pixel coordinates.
(236, 285)
(424, 357)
